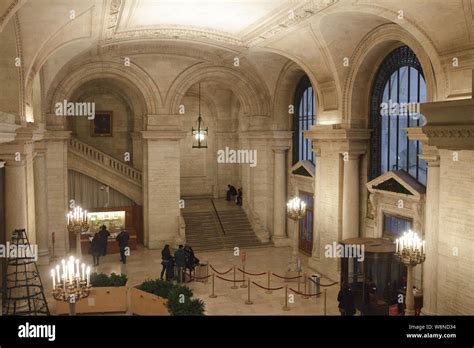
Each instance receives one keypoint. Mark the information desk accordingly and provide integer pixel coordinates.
(114, 219)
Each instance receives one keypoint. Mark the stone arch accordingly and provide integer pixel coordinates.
(288, 80)
(253, 100)
(133, 77)
(368, 56)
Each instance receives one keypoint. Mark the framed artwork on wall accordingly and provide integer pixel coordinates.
(102, 124)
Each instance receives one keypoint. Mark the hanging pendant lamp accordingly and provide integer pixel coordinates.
(200, 131)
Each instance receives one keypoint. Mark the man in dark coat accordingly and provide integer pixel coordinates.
(180, 262)
(103, 238)
(95, 249)
(239, 196)
(122, 239)
(346, 301)
(166, 261)
(231, 192)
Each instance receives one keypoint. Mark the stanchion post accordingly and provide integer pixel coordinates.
(325, 292)
(285, 307)
(299, 281)
(243, 275)
(268, 284)
(305, 287)
(213, 295)
(234, 286)
(248, 302)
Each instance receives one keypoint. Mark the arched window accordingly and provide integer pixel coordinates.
(398, 89)
(305, 112)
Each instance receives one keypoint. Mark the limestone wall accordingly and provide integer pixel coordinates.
(455, 293)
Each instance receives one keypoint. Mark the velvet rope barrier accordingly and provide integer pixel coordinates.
(201, 278)
(231, 280)
(265, 288)
(252, 274)
(308, 295)
(287, 278)
(221, 273)
(324, 286)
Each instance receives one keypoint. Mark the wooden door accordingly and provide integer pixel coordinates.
(306, 225)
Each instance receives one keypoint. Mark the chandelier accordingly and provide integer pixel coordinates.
(77, 223)
(410, 249)
(296, 208)
(77, 220)
(200, 131)
(70, 282)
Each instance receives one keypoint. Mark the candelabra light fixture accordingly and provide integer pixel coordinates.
(77, 223)
(71, 282)
(296, 210)
(411, 251)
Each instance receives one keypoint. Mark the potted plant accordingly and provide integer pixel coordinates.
(107, 295)
(158, 297)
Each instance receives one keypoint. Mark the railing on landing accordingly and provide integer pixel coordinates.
(102, 158)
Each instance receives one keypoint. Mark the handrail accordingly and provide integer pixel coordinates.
(106, 160)
(218, 217)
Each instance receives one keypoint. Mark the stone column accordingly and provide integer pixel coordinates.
(57, 193)
(350, 196)
(279, 197)
(430, 267)
(15, 196)
(41, 204)
(161, 188)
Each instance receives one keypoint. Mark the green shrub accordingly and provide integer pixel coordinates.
(100, 280)
(179, 297)
(157, 287)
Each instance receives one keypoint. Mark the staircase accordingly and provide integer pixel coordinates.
(92, 162)
(217, 225)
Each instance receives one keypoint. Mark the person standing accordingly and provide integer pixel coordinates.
(166, 262)
(122, 239)
(95, 249)
(346, 301)
(231, 193)
(103, 238)
(180, 262)
(239, 196)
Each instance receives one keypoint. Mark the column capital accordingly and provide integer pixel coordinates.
(280, 149)
(2, 164)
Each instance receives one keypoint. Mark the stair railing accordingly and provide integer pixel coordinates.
(218, 217)
(106, 160)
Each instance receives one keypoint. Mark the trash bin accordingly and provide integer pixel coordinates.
(201, 272)
(314, 284)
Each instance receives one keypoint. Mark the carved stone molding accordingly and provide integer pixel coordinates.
(291, 19)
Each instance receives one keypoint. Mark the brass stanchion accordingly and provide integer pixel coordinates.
(285, 307)
(234, 286)
(299, 281)
(213, 295)
(325, 290)
(305, 288)
(243, 274)
(248, 296)
(268, 284)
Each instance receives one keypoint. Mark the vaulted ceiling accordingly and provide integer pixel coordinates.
(316, 34)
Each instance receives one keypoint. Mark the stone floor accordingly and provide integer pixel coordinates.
(144, 263)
